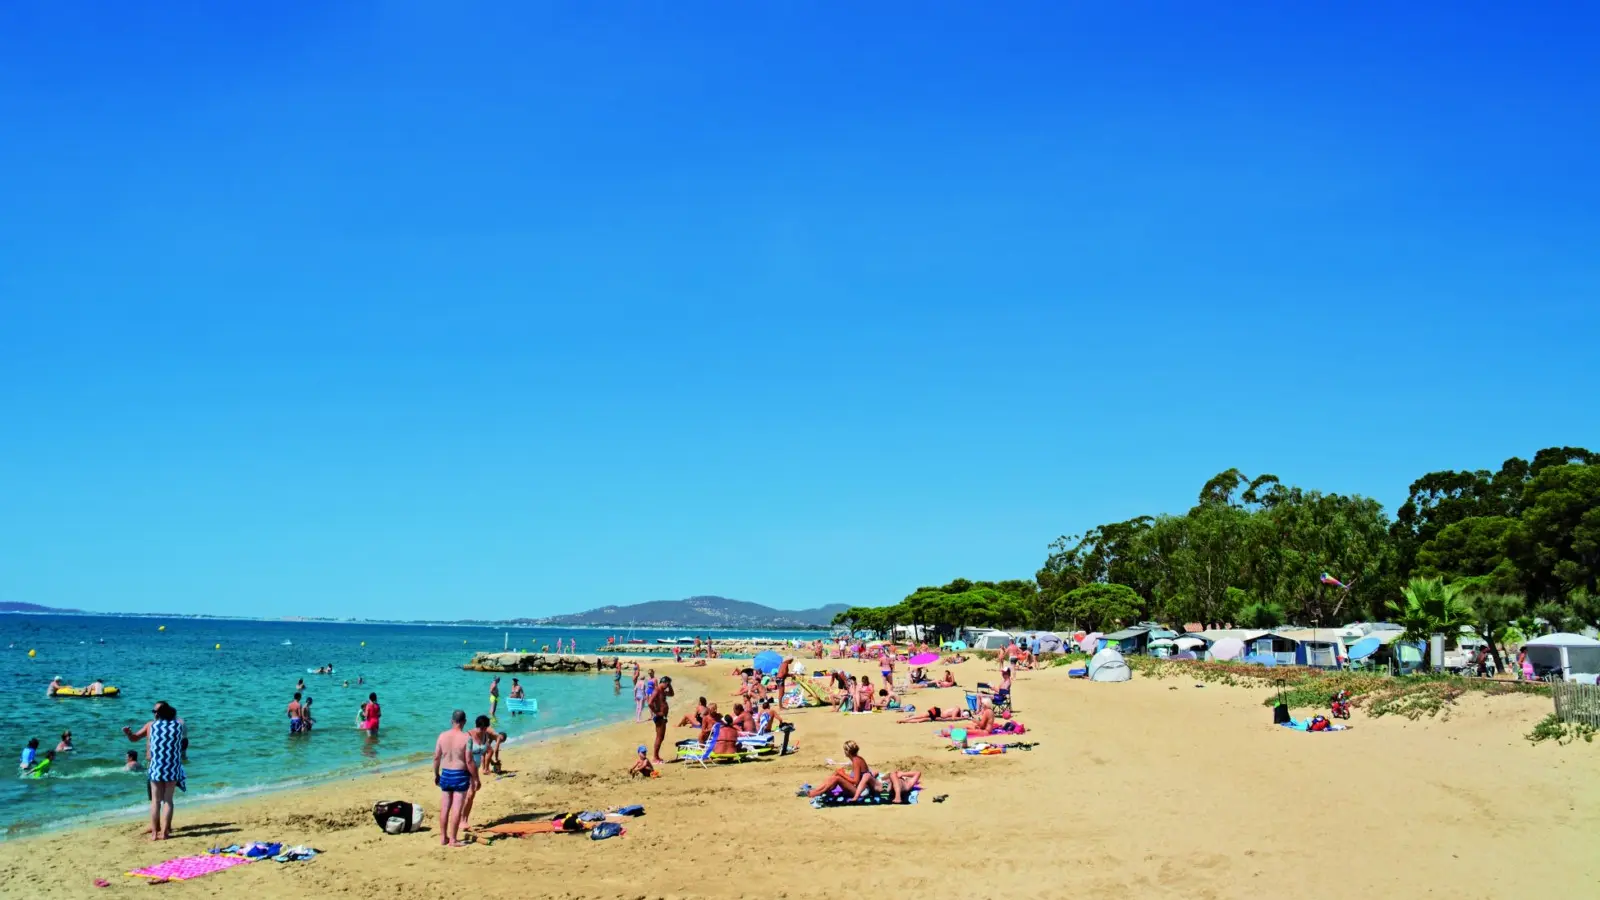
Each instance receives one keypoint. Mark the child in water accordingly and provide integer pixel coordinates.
(42, 767)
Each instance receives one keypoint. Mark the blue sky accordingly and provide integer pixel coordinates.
(520, 309)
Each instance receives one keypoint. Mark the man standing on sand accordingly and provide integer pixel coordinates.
(658, 711)
(296, 722)
(455, 772)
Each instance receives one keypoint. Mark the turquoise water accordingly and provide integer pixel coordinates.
(232, 700)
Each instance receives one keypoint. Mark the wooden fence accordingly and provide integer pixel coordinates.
(1577, 702)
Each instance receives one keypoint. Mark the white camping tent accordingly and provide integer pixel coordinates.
(1108, 665)
(1564, 654)
(994, 640)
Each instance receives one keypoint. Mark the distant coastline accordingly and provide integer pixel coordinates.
(694, 614)
(430, 623)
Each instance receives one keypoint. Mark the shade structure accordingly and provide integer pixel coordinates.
(1189, 643)
(1364, 648)
(1227, 648)
(1562, 639)
(1108, 665)
(1163, 642)
(766, 662)
(1087, 643)
(955, 645)
(924, 659)
(1261, 659)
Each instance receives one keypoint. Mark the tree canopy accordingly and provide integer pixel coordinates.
(1507, 546)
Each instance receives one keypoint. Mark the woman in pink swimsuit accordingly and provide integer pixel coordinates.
(371, 713)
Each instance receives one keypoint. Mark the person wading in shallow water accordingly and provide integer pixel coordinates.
(659, 712)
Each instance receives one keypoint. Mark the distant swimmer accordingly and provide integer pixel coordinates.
(133, 761)
(300, 685)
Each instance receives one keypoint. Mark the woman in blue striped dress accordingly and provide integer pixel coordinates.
(168, 744)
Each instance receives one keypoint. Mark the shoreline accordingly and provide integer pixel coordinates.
(1225, 802)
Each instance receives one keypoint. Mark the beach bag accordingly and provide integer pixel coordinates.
(604, 830)
(397, 816)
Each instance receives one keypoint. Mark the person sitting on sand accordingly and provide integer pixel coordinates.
(133, 761)
(934, 714)
(642, 766)
(864, 694)
(854, 779)
(742, 719)
(727, 740)
(695, 718)
(845, 698)
(948, 681)
(708, 723)
(769, 720)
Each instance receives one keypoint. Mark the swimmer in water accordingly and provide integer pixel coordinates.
(133, 761)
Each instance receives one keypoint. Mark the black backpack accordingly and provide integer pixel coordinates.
(384, 810)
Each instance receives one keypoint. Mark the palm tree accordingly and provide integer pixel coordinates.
(1430, 607)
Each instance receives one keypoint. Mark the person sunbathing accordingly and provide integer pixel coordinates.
(901, 784)
(980, 726)
(935, 714)
(919, 675)
(948, 681)
(693, 719)
(854, 779)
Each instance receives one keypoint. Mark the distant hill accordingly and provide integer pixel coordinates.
(700, 612)
(32, 608)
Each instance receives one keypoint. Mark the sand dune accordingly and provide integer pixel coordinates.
(1144, 789)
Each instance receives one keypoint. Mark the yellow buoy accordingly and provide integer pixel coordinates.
(363, 643)
(219, 646)
(32, 653)
(162, 628)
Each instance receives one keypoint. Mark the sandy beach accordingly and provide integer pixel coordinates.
(1150, 788)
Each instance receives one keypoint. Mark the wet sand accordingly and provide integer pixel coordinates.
(1143, 789)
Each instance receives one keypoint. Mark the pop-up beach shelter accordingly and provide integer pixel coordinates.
(1108, 665)
(1227, 648)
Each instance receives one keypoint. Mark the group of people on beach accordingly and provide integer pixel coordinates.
(461, 759)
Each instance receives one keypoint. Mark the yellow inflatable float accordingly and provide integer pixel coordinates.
(78, 693)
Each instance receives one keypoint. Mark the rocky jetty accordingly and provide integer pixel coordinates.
(531, 662)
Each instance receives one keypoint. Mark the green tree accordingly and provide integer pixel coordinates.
(1476, 550)
(1492, 615)
(1427, 607)
(1557, 545)
(1102, 607)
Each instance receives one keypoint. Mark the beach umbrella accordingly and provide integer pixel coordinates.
(1087, 642)
(924, 659)
(1364, 648)
(1189, 643)
(1227, 648)
(767, 662)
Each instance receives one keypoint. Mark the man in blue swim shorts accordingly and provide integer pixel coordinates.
(454, 772)
(296, 722)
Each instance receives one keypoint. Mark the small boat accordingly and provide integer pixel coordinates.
(78, 693)
(637, 641)
(287, 643)
(670, 642)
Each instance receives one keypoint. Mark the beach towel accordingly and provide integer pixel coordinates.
(186, 867)
(840, 798)
(1305, 725)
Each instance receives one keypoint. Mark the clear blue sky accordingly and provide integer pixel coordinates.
(525, 308)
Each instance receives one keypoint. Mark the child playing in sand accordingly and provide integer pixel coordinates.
(641, 766)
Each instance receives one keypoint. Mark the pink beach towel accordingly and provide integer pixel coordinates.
(185, 867)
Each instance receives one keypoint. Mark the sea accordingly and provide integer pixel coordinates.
(231, 680)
